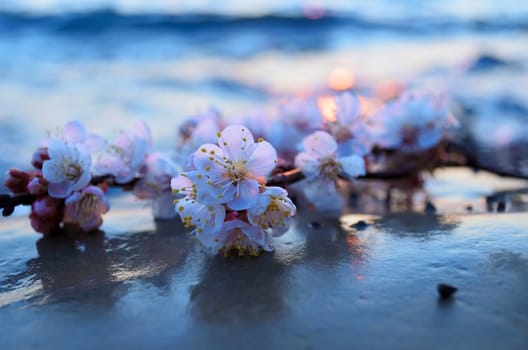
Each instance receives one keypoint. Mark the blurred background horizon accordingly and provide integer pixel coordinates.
(111, 62)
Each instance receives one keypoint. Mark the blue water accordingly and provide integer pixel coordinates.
(108, 62)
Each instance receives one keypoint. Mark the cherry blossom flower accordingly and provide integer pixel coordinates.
(85, 208)
(322, 167)
(68, 168)
(344, 122)
(237, 167)
(294, 119)
(195, 131)
(155, 185)
(75, 133)
(195, 205)
(126, 155)
(415, 122)
(272, 210)
(237, 235)
(319, 159)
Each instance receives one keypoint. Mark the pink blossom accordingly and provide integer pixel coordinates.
(272, 210)
(415, 122)
(155, 185)
(86, 207)
(319, 159)
(195, 131)
(294, 119)
(195, 205)
(239, 236)
(346, 125)
(74, 133)
(68, 168)
(126, 155)
(46, 214)
(235, 168)
(322, 167)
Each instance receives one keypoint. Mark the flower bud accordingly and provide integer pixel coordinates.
(17, 180)
(46, 214)
(37, 185)
(39, 156)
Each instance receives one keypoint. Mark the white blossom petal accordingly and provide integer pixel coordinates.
(320, 143)
(246, 195)
(308, 164)
(74, 132)
(237, 143)
(263, 159)
(353, 166)
(60, 189)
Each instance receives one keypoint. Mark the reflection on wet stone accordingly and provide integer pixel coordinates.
(92, 269)
(68, 268)
(416, 225)
(239, 289)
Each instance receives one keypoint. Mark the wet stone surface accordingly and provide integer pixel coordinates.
(334, 286)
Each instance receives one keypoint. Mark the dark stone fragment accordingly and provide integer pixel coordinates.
(430, 208)
(315, 224)
(8, 211)
(360, 225)
(446, 291)
(469, 207)
(501, 206)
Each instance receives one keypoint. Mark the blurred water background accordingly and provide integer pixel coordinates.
(110, 62)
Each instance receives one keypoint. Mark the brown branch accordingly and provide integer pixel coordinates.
(470, 160)
(456, 155)
(9, 202)
(294, 175)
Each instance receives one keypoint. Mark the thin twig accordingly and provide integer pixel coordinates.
(458, 156)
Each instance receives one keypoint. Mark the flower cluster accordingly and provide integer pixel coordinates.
(61, 180)
(217, 181)
(341, 135)
(414, 122)
(225, 198)
(322, 167)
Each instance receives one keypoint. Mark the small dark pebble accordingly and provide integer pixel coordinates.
(469, 207)
(430, 208)
(360, 225)
(315, 224)
(446, 291)
(501, 206)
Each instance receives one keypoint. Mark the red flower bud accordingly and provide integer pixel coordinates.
(17, 180)
(46, 214)
(37, 185)
(39, 156)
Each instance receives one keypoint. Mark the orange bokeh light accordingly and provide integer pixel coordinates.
(369, 106)
(389, 89)
(327, 107)
(341, 79)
